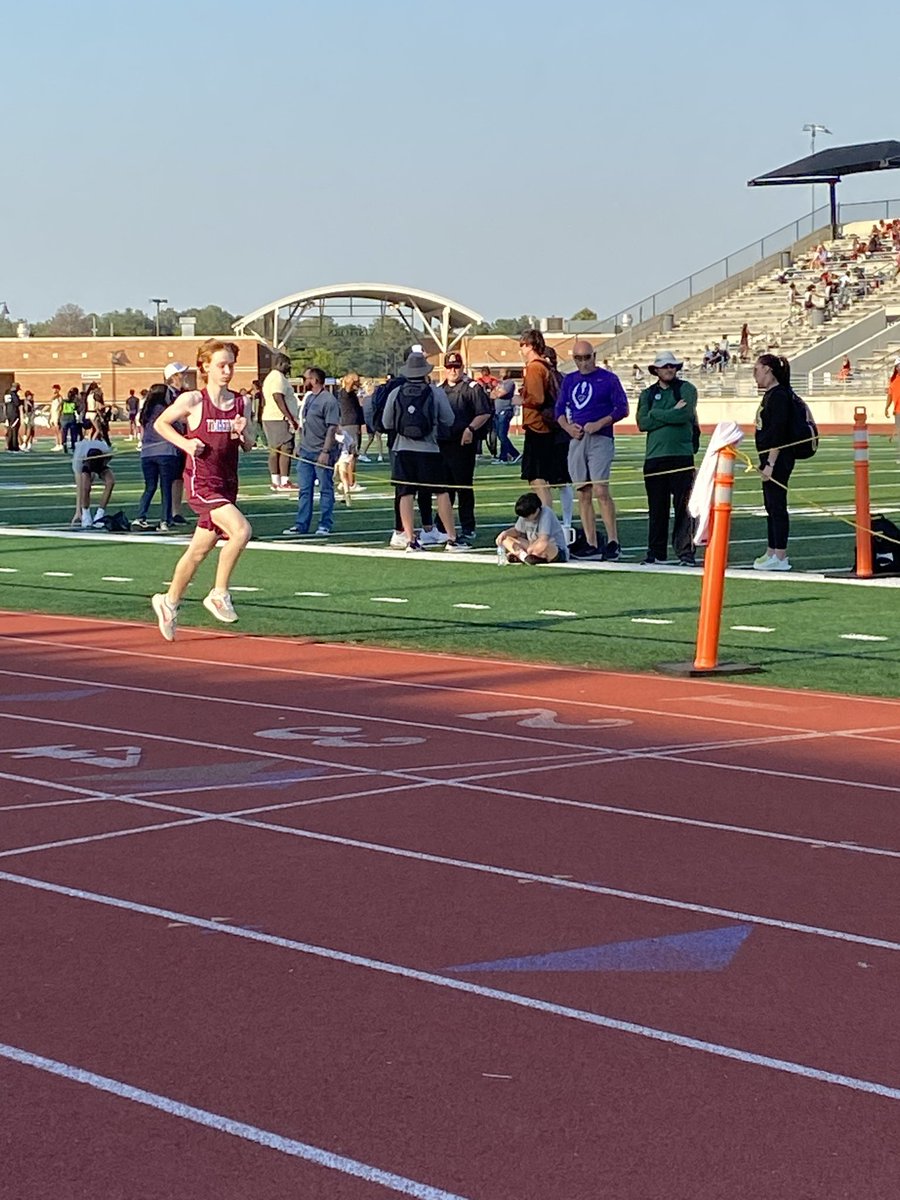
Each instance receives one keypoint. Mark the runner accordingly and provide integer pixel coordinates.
(217, 426)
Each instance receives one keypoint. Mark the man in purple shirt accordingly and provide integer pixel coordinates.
(590, 402)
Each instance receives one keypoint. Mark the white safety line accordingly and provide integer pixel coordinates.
(223, 1124)
(450, 983)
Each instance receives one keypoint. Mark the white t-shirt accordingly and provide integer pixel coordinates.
(274, 384)
(80, 453)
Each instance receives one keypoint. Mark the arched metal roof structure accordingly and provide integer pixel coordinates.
(443, 320)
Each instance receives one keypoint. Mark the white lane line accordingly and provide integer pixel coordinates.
(9, 570)
(233, 588)
(556, 612)
(389, 600)
(223, 1124)
(650, 621)
(754, 628)
(863, 637)
(312, 593)
(477, 607)
(117, 579)
(472, 989)
(58, 574)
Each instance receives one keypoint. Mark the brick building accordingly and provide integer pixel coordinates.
(116, 363)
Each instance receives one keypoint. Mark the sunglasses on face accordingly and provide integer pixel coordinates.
(582, 357)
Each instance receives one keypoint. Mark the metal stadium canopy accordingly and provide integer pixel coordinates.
(443, 320)
(829, 166)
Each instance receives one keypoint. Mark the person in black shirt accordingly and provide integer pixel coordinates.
(459, 446)
(776, 458)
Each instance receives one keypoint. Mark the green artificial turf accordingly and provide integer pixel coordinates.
(805, 648)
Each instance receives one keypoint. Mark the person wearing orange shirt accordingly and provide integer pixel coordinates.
(893, 399)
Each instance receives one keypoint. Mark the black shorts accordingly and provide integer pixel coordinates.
(96, 465)
(544, 456)
(413, 469)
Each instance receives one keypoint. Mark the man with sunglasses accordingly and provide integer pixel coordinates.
(591, 400)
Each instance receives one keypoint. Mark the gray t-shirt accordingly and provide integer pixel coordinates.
(444, 418)
(547, 523)
(319, 412)
(503, 395)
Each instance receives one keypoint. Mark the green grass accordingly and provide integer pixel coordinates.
(805, 648)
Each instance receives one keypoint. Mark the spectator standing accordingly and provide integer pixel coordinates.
(13, 414)
(69, 419)
(280, 422)
(777, 460)
(458, 444)
(893, 402)
(319, 422)
(504, 397)
(414, 412)
(667, 413)
(27, 418)
(352, 421)
(591, 401)
(744, 344)
(56, 401)
(160, 459)
(541, 463)
(175, 376)
(132, 405)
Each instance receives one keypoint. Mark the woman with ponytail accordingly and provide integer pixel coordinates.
(776, 456)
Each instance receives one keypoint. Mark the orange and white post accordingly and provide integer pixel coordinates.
(714, 563)
(863, 510)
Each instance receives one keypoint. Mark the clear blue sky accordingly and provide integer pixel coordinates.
(515, 156)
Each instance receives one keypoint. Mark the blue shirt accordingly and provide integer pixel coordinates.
(586, 398)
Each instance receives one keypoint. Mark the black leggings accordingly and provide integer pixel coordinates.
(775, 497)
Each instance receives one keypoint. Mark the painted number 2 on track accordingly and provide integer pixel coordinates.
(546, 718)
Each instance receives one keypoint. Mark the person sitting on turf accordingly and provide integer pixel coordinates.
(90, 461)
(537, 536)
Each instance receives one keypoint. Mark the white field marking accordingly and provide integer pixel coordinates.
(235, 588)
(58, 574)
(753, 628)
(312, 593)
(117, 579)
(863, 637)
(466, 988)
(195, 816)
(477, 607)
(223, 1124)
(389, 600)
(88, 839)
(651, 621)
(9, 570)
(441, 657)
(556, 612)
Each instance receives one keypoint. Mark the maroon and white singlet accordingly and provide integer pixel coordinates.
(212, 479)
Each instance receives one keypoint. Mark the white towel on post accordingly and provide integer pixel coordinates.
(726, 433)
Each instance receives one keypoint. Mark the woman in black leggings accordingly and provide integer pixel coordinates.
(776, 462)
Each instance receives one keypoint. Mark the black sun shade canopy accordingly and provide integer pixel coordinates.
(830, 165)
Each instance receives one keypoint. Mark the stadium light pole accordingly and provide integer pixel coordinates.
(159, 302)
(812, 129)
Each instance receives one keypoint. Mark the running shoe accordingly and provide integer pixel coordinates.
(763, 558)
(688, 560)
(650, 561)
(178, 520)
(295, 532)
(219, 604)
(399, 541)
(773, 564)
(364, 458)
(415, 547)
(275, 487)
(611, 552)
(584, 550)
(357, 487)
(141, 523)
(167, 615)
(457, 547)
(163, 527)
(433, 537)
(322, 532)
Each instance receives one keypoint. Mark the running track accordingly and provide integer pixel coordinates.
(236, 875)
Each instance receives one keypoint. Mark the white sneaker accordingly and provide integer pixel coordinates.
(763, 558)
(773, 564)
(357, 488)
(219, 604)
(457, 547)
(166, 615)
(87, 521)
(399, 541)
(433, 537)
(364, 458)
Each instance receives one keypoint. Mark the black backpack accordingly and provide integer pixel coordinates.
(379, 401)
(415, 410)
(804, 430)
(885, 546)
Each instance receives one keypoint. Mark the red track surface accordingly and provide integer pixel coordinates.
(689, 806)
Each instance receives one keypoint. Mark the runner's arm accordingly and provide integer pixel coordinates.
(181, 410)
